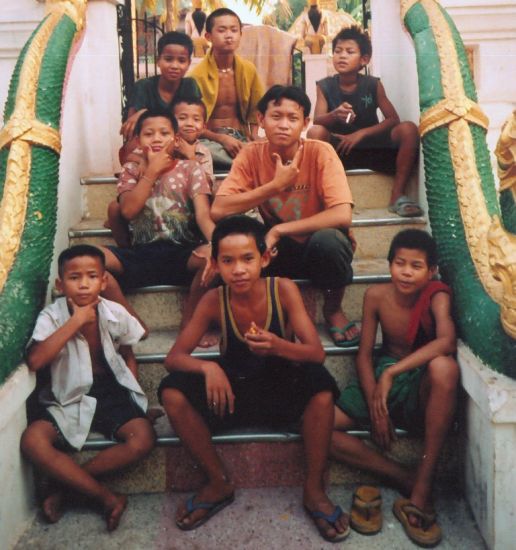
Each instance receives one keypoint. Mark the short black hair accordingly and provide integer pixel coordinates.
(278, 92)
(175, 37)
(238, 225)
(77, 251)
(414, 239)
(210, 21)
(359, 35)
(190, 101)
(150, 113)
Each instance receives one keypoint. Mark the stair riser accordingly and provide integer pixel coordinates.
(373, 241)
(162, 310)
(368, 191)
(252, 465)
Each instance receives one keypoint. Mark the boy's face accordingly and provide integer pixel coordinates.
(173, 62)
(225, 34)
(347, 57)
(283, 123)
(239, 262)
(82, 280)
(156, 133)
(410, 272)
(190, 119)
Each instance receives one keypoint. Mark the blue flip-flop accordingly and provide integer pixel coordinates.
(344, 343)
(330, 519)
(211, 507)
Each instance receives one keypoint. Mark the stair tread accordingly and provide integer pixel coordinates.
(362, 217)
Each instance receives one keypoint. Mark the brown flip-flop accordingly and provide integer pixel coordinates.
(429, 534)
(366, 510)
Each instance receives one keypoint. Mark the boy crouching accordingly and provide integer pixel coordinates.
(85, 342)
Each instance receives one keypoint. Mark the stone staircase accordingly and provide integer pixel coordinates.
(257, 457)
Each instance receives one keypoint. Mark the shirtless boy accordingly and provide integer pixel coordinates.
(230, 89)
(264, 377)
(412, 384)
(88, 389)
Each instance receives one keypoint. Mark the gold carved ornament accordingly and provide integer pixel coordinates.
(23, 130)
(456, 111)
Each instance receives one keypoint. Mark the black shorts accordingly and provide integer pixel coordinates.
(276, 399)
(376, 153)
(156, 263)
(115, 407)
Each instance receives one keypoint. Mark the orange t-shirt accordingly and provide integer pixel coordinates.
(320, 184)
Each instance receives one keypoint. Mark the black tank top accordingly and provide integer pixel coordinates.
(363, 99)
(237, 359)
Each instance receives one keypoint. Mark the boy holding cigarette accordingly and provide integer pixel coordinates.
(346, 116)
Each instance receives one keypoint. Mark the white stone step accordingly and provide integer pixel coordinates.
(369, 190)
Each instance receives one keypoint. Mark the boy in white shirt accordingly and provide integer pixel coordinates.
(85, 342)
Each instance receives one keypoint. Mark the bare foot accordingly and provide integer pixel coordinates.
(212, 493)
(421, 498)
(114, 512)
(209, 339)
(52, 507)
(318, 501)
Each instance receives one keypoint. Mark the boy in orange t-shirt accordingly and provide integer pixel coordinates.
(301, 190)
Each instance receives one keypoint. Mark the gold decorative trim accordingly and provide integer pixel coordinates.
(506, 155)
(405, 6)
(502, 260)
(475, 217)
(33, 132)
(13, 207)
(74, 9)
(447, 110)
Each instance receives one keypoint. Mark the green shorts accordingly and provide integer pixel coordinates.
(402, 401)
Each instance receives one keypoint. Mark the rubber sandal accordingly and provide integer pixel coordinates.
(405, 207)
(346, 343)
(211, 507)
(429, 534)
(330, 519)
(366, 510)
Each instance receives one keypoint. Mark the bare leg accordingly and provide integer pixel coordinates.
(195, 436)
(113, 291)
(196, 292)
(353, 451)
(318, 132)
(334, 316)
(317, 429)
(439, 395)
(37, 444)
(407, 138)
(118, 225)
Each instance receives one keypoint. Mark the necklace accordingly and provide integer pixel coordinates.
(226, 70)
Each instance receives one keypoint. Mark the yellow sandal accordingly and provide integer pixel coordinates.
(366, 510)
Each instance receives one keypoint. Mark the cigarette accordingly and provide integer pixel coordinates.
(348, 118)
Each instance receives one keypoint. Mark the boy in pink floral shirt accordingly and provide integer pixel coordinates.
(166, 202)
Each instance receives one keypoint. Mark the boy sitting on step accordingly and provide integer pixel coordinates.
(302, 193)
(264, 377)
(166, 201)
(159, 92)
(83, 342)
(191, 120)
(346, 116)
(412, 383)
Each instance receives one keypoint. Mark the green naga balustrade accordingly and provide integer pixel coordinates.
(442, 62)
(30, 149)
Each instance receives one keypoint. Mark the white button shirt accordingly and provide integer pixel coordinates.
(71, 372)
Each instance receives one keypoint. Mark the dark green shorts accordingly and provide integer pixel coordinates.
(402, 401)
